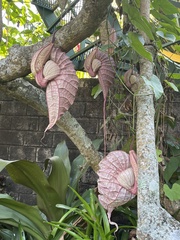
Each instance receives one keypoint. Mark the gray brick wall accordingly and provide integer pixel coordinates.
(21, 129)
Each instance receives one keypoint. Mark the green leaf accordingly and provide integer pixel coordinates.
(162, 18)
(13, 213)
(171, 167)
(159, 153)
(138, 47)
(169, 28)
(166, 36)
(96, 91)
(59, 178)
(174, 193)
(78, 169)
(164, 6)
(137, 20)
(63, 153)
(4, 163)
(172, 85)
(30, 175)
(156, 85)
(174, 76)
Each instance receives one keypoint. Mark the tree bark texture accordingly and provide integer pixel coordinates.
(153, 221)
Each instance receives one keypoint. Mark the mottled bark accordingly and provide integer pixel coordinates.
(25, 92)
(153, 221)
(17, 64)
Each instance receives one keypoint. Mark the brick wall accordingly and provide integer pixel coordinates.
(21, 129)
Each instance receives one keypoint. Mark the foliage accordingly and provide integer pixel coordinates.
(86, 220)
(21, 25)
(50, 190)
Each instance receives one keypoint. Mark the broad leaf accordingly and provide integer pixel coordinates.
(13, 213)
(156, 85)
(30, 175)
(63, 153)
(59, 178)
(138, 47)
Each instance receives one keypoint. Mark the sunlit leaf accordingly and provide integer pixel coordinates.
(175, 76)
(96, 91)
(155, 84)
(159, 153)
(172, 85)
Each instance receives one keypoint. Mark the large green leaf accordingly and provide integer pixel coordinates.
(59, 176)
(138, 47)
(63, 153)
(13, 213)
(137, 20)
(30, 175)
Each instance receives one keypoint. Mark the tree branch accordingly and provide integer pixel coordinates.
(35, 97)
(153, 221)
(17, 64)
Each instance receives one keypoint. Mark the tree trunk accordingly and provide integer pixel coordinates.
(153, 221)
